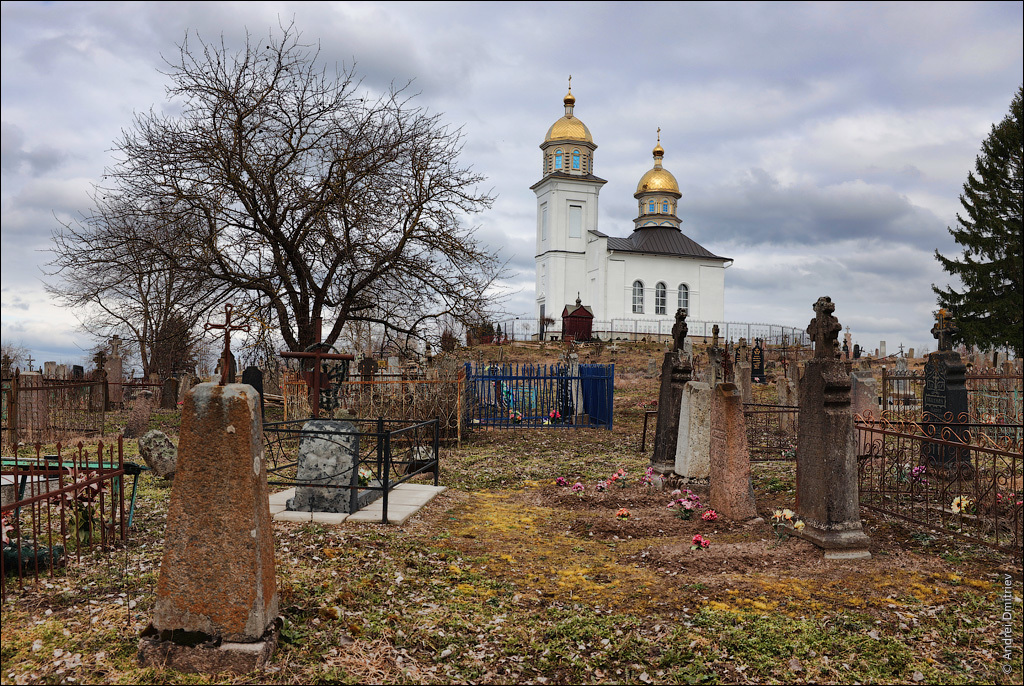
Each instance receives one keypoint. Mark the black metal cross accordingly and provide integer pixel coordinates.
(226, 376)
(29, 360)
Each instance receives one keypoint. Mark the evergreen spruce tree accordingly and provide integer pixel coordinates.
(989, 309)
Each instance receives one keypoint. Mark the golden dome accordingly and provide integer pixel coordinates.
(569, 127)
(658, 180)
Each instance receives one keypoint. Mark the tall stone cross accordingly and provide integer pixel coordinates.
(714, 336)
(225, 362)
(115, 346)
(824, 329)
(944, 329)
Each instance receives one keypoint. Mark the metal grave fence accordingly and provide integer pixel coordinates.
(389, 453)
(540, 396)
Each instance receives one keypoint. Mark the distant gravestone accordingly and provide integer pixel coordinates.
(826, 469)
(114, 368)
(77, 372)
(910, 353)
(138, 418)
(731, 491)
(50, 370)
(881, 349)
(367, 368)
(253, 376)
(216, 599)
(856, 351)
(757, 363)
(185, 384)
(945, 398)
(169, 394)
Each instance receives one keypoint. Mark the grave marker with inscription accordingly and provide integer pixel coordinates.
(945, 397)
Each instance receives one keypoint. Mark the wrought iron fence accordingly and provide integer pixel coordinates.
(385, 454)
(961, 483)
(540, 396)
(396, 397)
(60, 507)
(771, 431)
(991, 397)
(635, 329)
(35, 408)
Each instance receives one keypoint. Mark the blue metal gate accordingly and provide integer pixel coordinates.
(536, 396)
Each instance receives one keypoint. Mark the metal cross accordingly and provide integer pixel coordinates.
(314, 379)
(29, 360)
(824, 328)
(225, 362)
(944, 329)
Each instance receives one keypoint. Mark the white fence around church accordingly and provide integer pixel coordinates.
(630, 329)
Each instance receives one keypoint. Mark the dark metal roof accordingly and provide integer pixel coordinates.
(662, 240)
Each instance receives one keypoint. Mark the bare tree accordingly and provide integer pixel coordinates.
(107, 270)
(304, 198)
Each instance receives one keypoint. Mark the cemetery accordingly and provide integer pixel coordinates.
(781, 526)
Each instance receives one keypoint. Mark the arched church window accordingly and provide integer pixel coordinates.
(660, 297)
(684, 296)
(651, 207)
(638, 297)
(664, 206)
(576, 159)
(558, 159)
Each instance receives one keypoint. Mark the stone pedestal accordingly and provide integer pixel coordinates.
(827, 498)
(745, 382)
(731, 492)
(693, 445)
(675, 372)
(169, 394)
(863, 402)
(217, 582)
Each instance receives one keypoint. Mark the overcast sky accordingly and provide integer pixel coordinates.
(822, 146)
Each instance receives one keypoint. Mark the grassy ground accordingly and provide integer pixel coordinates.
(509, 578)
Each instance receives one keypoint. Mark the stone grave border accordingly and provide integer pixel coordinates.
(395, 451)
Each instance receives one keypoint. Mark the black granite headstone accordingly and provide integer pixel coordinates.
(757, 363)
(254, 377)
(77, 372)
(856, 351)
(945, 398)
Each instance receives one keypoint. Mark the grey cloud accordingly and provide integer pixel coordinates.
(16, 157)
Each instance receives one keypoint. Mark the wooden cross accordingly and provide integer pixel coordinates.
(824, 329)
(314, 379)
(226, 376)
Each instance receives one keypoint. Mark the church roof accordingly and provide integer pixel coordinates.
(662, 240)
(569, 127)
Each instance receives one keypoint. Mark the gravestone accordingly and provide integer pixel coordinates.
(847, 343)
(945, 398)
(864, 402)
(114, 368)
(827, 497)
(856, 351)
(216, 599)
(185, 384)
(881, 349)
(77, 372)
(159, 453)
(367, 368)
(62, 372)
(731, 491)
(788, 396)
(757, 363)
(169, 394)
(50, 370)
(910, 353)
(744, 379)
(675, 372)
(253, 376)
(138, 418)
(652, 366)
(328, 455)
(693, 445)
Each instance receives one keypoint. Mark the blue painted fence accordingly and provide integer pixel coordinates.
(540, 396)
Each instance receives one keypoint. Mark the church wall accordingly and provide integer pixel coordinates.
(705, 279)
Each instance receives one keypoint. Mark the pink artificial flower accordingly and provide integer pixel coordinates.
(709, 516)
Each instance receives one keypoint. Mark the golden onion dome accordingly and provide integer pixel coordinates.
(659, 179)
(569, 127)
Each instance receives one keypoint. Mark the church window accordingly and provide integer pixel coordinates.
(664, 206)
(650, 207)
(684, 296)
(576, 159)
(558, 159)
(544, 222)
(638, 297)
(660, 292)
(575, 221)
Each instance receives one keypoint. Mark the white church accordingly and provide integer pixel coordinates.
(644, 276)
